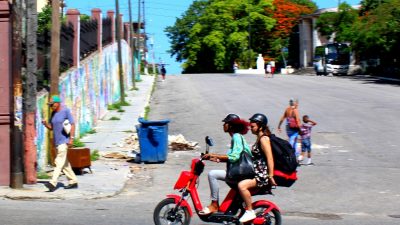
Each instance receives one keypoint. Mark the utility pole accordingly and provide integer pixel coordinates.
(118, 36)
(55, 47)
(17, 175)
(133, 47)
(30, 92)
(145, 40)
(249, 30)
(138, 37)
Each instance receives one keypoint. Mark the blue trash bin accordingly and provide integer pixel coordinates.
(153, 140)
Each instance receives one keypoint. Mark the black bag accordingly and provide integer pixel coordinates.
(241, 169)
(284, 155)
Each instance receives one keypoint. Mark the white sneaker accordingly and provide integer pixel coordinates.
(300, 158)
(247, 216)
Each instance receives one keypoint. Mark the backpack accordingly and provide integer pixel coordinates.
(285, 162)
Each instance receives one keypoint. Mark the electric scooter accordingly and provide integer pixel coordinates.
(175, 209)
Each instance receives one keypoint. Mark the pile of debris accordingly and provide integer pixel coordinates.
(178, 143)
(130, 146)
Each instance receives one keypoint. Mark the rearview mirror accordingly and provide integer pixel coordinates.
(209, 141)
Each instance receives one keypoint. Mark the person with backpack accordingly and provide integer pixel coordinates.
(263, 164)
(293, 123)
(236, 128)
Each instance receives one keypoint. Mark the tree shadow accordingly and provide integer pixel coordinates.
(368, 79)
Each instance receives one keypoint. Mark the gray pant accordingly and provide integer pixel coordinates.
(213, 177)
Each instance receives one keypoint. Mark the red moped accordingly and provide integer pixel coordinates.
(175, 209)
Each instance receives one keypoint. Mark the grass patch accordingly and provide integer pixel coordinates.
(127, 131)
(42, 175)
(140, 80)
(93, 131)
(134, 89)
(124, 104)
(120, 110)
(94, 155)
(114, 118)
(114, 107)
(77, 143)
(117, 105)
(146, 112)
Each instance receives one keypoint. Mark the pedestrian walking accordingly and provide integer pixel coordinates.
(235, 67)
(268, 71)
(62, 138)
(293, 123)
(163, 72)
(272, 63)
(305, 133)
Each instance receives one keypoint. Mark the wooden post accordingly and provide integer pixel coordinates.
(118, 36)
(17, 164)
(55, 47)
(133, 47)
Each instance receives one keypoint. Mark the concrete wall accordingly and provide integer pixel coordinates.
(87, 91)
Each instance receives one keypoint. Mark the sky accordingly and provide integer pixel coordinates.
(158, 15)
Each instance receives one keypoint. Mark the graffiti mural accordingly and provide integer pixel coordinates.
(87, 91)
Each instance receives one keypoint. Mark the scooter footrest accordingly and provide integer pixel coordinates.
(220, 217)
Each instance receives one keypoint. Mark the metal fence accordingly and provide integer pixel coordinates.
(88, 44)
(88, 38)
(66, 46)
(107, 32)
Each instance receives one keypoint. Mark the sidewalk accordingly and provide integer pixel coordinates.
(109, 175)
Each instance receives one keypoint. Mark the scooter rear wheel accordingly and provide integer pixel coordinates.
(273, 217)
(166, 213)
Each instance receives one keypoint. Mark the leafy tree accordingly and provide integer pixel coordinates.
(378, 32)
(212, 34)
(287, 14)
(44, 19)
(338, 23)
(368, 5)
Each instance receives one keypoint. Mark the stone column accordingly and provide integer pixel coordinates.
(5, 92)
(110, 14)
(96, 15)
(128, 33)
(74, 19)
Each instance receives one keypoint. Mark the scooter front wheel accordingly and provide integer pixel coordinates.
(166, 212)
(273, 217)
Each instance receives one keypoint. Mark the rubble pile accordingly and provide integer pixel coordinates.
(132, 142)
(178, 143)
(114, 155)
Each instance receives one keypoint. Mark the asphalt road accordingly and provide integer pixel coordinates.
(356, 175)
(355, 179)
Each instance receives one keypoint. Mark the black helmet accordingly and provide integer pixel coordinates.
(259, 118)
(230, 117)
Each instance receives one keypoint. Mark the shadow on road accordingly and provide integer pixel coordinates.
(372, 80)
